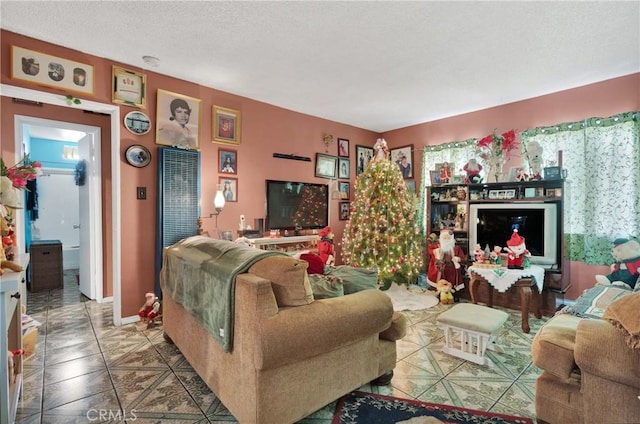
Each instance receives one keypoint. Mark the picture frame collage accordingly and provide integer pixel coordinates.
(338, 168)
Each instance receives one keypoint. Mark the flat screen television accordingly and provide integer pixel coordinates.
(492, 224)
(295, 205)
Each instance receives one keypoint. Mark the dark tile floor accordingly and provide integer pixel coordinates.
(87, 370)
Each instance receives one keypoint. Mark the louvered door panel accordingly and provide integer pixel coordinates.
(178, 199)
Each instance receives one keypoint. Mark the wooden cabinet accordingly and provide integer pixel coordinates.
(11, 286)
(451, 206)
(46, 265)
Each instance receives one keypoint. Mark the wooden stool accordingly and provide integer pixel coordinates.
(470, 329)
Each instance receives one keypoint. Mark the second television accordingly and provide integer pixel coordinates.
(293, 205)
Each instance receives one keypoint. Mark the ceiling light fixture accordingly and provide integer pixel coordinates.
(151, 60)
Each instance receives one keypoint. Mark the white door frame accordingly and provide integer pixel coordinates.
(114, 112)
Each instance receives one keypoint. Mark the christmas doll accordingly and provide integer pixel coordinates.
(517, 253)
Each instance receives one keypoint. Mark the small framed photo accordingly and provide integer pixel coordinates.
(539, 192)
(510, 194)
(343, 147)
(529, 192)
(326, 165)
(551, 192)
(137, 122)
(225, 235)
(403, 156)
(344, 190)
(344, 169)
(456, 179)
(226, 125)
(227, 161)
(344, 211)
(364, 155)
(229, 188)
(434, 177)
(553, 173)
(178, 120)
(129, 87)
(51, 71)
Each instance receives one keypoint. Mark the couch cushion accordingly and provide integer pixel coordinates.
(325, 286)
(354, 279)
(553, 346)
(289, 279)
(593, 302)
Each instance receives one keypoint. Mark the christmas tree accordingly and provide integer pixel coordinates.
(382, 230)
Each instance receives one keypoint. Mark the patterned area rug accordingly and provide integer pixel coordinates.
(369, 408)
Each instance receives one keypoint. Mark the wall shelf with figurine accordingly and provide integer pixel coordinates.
(534, 206)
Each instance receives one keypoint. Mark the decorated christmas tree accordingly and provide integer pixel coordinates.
(382, 230)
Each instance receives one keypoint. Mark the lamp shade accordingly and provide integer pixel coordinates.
(218, 201)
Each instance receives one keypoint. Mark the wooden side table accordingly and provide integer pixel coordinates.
(524, 280)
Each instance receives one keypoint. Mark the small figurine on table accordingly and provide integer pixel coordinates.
(517, 253)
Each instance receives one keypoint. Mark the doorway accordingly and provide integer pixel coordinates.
(113, 112)
(78, 224)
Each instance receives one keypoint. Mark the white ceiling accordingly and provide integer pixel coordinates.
(374, 65)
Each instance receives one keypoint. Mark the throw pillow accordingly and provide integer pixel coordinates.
(593, 302)
(316, 266)
(354, 279)
(289, 279)
(325, 286)
(623, 314)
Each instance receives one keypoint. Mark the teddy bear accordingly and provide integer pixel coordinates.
(325, 246)
(626, 268)
(534, 157)
(517, 253)
(445, 291)
(150, 310)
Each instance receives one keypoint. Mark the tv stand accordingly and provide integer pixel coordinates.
(448, 206)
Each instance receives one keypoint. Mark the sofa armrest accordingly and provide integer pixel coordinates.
(553, 346)
(602, 351)
(300, 332)
(397, 329)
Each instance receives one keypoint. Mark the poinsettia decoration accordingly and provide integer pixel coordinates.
(494, 149)
(16, 177)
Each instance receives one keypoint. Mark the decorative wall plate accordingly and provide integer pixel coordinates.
(138, 156)
(137, 122)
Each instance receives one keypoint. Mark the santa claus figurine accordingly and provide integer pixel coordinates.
(472, 169)
(445, 261)
(517, 253)
(150, 310)
(325, 246)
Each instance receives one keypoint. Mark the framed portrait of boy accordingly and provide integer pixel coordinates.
(178, 120)
(226, 125)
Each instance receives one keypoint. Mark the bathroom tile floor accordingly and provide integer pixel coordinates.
(86, 370)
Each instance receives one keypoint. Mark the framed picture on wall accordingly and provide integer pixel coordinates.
(226, 125)
(229, 188)
(344, 168)
(364, 155)
(227, 161)
(344, 190)
(343, 147)
(178, 120)
(51, 71)
(129, 87)
(326, 165)
(403, 156)
(344, 211)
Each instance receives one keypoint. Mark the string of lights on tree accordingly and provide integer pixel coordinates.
(382, 231)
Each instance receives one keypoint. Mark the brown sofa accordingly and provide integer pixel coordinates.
(287, 361)
(591, 374)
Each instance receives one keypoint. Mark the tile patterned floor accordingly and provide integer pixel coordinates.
(86, 370)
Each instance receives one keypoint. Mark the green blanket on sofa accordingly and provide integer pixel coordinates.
(199, 273)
